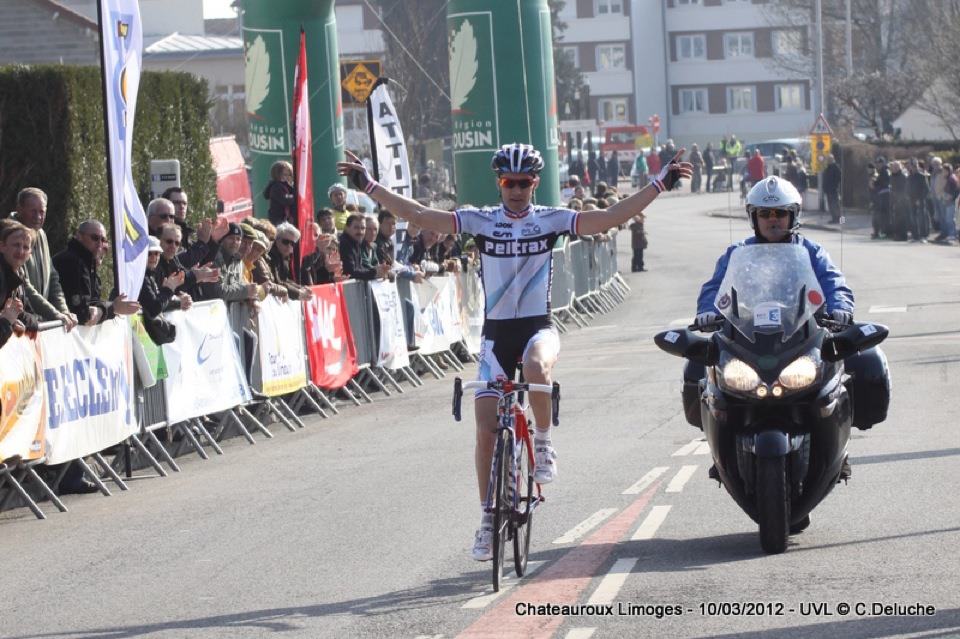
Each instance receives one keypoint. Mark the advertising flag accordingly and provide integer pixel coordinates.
(330, 345)
(393, 165)
(302, 153)
(121, 42)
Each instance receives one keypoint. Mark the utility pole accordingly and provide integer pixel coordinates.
(821, 101)
(849, 34)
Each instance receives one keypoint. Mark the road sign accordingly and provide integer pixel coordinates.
(820, 126)
(820, 145)
(358, 78)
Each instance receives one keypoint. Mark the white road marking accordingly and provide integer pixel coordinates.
(509, 582)
(887, 309)
(687, 449)
(587, 524)
(646, 480)
(580, 633)
(702, 449)
(650, 525)
(681, 478)
(613, 581)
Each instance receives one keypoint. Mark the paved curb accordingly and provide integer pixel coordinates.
(858, 223)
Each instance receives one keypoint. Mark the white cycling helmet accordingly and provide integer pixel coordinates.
(774, 193)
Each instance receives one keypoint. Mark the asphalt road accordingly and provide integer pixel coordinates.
(361, 525)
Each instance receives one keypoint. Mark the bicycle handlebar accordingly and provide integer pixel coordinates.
(509, 387)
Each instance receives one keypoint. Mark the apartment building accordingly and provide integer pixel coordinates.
(718, 74)
(599, 40)
(360, 38)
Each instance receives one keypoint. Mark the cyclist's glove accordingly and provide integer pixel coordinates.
(360, 177)
(670, 174)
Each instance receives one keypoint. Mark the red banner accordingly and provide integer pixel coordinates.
(330, 346)
(302, 154)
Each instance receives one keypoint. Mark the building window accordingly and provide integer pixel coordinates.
(693, 100)
(692, 47)
(572, 54)
(611, 57)
(740, 100)
(688, 2)
(787, 42)
(788, 97)
(355, 119)
(738, 45)
(607, 7)
(612, 109)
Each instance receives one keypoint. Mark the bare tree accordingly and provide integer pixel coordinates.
(568, 78)
(942, 95)
(417, 59)
(890, 71)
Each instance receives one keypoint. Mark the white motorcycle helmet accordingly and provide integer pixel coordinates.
(774, 193)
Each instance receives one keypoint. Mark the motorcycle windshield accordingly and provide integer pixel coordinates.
(768, 289)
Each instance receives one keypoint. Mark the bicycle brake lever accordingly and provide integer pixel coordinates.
(457, 396)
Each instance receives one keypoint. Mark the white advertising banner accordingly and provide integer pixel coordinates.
(203, 364)
(88, 374)
(470, 289)
(393, 338)
(438, 324)
(394, 167)
(283, 365)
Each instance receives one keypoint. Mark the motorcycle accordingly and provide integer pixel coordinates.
(776, 400)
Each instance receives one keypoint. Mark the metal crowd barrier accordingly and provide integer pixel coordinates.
(586, 281)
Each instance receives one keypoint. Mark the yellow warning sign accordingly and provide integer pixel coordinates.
(359, 82)
(820, 145)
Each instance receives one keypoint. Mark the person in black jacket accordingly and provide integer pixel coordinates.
(16, 242)
(351, 241)
(918, 190)
(159, 295)
(881, 191)
(281, 194)
(77, 265)
(171, 262)
(831, 188)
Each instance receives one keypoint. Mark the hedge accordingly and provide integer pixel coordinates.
(51, 137)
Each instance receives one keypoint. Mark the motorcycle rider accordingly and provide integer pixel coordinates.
(773, 208)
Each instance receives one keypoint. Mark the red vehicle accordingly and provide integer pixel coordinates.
(233, 187)
(626, 140)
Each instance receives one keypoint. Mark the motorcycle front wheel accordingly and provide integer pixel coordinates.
(773, 503)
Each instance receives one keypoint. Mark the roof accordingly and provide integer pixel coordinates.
(176, 45)
(67, 13)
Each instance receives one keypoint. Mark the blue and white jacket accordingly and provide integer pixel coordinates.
(838, 295)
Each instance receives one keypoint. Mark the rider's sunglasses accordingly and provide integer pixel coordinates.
(766, 214)
(509, 183)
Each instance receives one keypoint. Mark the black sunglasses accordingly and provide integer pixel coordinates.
(101, 239)
(286, 242)
(766, 214)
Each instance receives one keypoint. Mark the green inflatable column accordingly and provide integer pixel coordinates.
(271, 43)
(502, 90)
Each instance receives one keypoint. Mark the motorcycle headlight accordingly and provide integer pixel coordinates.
(738, 375)
(800, 373)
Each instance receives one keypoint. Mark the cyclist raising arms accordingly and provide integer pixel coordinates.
(515, 241)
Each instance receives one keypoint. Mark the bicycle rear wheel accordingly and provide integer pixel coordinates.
(501, 504)
(523, 516)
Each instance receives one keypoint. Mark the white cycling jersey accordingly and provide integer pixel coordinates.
(516, 258)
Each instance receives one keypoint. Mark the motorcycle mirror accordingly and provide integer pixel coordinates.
(684, 343)
(852, 340)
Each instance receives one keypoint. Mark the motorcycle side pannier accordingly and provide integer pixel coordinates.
(870, 387)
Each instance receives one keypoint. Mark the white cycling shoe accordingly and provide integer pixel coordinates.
(545, 463)
(483, 545)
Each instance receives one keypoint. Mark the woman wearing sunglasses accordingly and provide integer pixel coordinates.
(773, 207)
(515, 239)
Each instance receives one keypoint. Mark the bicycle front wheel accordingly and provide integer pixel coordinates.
(523, 516)
(501, 504)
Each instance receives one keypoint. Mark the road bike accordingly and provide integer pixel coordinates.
(512, 494)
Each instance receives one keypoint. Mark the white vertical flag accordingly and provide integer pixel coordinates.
(394, 167)
(121, 42)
